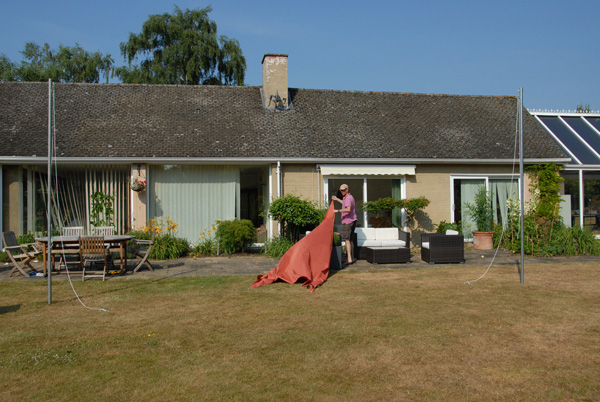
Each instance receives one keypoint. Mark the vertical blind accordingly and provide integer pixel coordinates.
(72, 188)
(194, 196)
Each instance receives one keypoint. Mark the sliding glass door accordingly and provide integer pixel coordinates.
(502, 189)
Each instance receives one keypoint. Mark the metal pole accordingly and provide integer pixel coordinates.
(49, 188)
(522, 189)
(581, 200)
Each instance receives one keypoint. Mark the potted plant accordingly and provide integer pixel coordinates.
(387, 204)
(335, 263)
(483, 215)
(138, 184)
(382, 209)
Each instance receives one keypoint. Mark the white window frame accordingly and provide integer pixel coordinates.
(486, 178)
(365, 195)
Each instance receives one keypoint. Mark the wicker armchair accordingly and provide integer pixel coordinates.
(442, 248)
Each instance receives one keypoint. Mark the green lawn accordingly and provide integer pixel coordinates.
(408, 334)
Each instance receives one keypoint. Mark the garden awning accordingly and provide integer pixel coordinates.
(367, 170)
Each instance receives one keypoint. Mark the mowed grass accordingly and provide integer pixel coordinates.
(409, 334)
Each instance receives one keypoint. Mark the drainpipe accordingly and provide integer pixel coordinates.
(318, 169)
(278, 193)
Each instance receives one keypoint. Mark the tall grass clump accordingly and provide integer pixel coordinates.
(207, 245)
(276, 248)
(167, 246)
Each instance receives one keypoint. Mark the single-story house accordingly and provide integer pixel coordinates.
(222, 152)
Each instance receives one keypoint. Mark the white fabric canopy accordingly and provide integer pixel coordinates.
(367, 170)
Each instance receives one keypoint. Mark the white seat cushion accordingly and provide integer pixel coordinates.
(386, 234)
(393, 243)
(369, 243)
(451, 232)
(365, 233)
(425, 244)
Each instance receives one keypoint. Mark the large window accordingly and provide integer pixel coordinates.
(25, 195)
(365, 189)
(591, 198)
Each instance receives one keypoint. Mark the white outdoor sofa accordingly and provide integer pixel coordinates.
(379, 238)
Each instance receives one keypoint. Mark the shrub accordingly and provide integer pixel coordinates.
(234, 236)
(166, 244)
(296, 215)
(443, 226)
(26, 238)
(410, 205)
(276, 248)
(337, 239)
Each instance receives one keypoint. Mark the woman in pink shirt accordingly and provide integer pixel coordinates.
(348, 220)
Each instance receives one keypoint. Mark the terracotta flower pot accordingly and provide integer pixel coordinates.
(483, 240)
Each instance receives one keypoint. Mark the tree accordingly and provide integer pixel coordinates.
(545, 186)
(7, 69)
(67, 64)
(182, 48)
(581, 108)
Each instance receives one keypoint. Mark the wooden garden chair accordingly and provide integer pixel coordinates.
(142, 250)
(103, 231)
(21, 255)
(106, 231)
(93, 251)
(68, 250)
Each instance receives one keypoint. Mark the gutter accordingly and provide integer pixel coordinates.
(8, 160)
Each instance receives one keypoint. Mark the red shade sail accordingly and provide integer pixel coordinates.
(308, 259)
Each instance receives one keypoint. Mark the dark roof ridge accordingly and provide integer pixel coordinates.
(403, 93)
(121, 84)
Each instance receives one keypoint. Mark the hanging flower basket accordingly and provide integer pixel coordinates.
(138, 185)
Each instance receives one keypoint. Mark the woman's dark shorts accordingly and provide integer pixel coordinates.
(348, 230)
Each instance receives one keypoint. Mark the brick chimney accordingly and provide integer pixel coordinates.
(275, 81)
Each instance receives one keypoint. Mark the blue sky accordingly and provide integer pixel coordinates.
(481, 47)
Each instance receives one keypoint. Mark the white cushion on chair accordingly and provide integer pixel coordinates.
(451, 232)
(365, 233)
(393, 243)
(386, 234)
(425, 244)
(369, 243)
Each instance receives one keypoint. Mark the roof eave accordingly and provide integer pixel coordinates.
(223, 160)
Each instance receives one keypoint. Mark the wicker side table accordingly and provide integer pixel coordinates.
(388, 255)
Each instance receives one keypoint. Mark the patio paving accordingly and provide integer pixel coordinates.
(254, 264)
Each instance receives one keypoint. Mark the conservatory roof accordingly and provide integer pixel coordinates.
(578, 134)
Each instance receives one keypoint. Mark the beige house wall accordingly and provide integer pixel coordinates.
(139, 200)
(304, 181)
(12, 211)
(433, 182)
